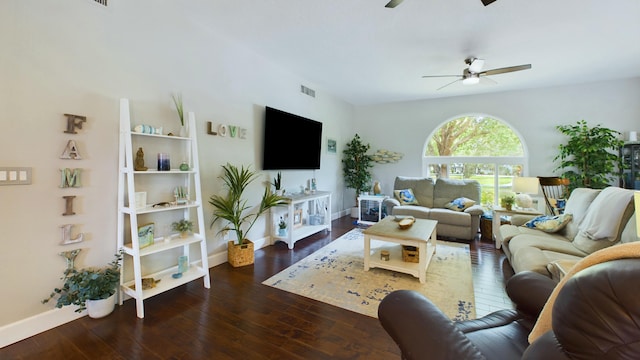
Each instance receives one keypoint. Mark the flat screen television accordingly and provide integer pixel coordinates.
(291, 142)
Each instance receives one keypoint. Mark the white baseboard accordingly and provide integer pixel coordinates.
(36, 324)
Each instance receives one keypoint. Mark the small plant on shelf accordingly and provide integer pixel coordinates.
(183, 226)
(177, 100)
(277, 183)
(282, 224)
(282, 227)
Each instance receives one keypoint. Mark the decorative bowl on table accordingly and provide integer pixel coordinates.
(406, 222)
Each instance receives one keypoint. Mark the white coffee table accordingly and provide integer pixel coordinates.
(422, 235)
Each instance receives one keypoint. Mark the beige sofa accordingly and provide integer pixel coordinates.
(550, 253)
(432, 199)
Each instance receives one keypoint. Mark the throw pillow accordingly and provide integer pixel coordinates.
(459, 204)
(548, 223)
(405, 197)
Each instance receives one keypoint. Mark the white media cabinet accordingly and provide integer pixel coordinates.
(305, 215)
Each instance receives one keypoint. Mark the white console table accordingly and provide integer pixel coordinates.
(306, 215)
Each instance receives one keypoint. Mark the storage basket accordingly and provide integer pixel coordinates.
(486, 227)
(410, 254)
(240, 255)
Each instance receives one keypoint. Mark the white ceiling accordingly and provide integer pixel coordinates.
(365, 53)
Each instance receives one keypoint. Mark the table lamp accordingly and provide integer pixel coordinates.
(523, 186)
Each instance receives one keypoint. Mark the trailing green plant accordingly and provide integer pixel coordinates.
(233, 208)
(182, 226)
(356, 166)
(590, 156)
(177, 100)
(87, 284)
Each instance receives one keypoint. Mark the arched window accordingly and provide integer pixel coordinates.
(478, 147)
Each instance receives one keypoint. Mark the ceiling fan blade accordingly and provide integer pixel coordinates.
(487, 2)
(487, 78)
(393, 3)
(506, 70)
(439, 76)
(451, 83)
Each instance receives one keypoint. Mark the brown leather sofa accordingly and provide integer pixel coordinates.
(596, 316)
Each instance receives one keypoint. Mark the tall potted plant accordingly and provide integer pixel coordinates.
(590, 156)
(233, 208)
(93, 289)
(356, 166)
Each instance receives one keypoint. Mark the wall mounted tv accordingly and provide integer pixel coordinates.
(291, 142)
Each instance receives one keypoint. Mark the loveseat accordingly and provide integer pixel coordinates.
(595, 316)
(436, 201)
(579, 232)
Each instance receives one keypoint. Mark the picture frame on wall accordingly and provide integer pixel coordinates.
(332, 146)
(145, 235)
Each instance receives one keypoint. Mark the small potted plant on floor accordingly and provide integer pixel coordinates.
(93, 289)
(183, 226)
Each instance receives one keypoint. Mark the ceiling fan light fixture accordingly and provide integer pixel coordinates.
(471, 79)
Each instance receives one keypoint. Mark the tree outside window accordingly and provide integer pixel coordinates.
(476, 147)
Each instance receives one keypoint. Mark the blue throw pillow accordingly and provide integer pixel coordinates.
(549, 223)
(460, 204)
(405, 197)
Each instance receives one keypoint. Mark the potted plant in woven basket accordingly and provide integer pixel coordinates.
(233, 208)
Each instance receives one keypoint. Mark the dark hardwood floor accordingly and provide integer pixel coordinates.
(239, 318)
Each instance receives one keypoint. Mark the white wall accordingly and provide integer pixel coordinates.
(78, 57)
(404, 127)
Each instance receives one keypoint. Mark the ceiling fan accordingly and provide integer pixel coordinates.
(471, 75)
(393, 3)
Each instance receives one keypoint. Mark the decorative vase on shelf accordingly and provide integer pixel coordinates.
(184, 131)
(376, 188)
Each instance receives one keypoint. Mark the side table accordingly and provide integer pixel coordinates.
(498, 212)
(370, 208)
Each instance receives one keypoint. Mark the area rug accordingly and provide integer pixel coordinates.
(335, 275)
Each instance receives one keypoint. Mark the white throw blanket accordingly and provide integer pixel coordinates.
(602, 220)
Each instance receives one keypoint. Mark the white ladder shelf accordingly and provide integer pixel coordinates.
(128, 240)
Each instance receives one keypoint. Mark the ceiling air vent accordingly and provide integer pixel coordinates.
(306, 90)
(101, 2)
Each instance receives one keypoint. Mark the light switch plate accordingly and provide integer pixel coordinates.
(15, 176)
